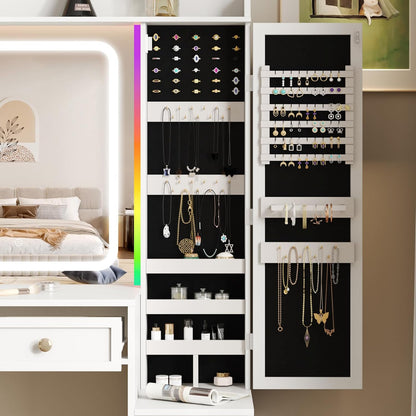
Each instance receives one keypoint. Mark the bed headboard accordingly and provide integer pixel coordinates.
(90, 210)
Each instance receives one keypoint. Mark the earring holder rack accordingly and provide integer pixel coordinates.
(197, 184)
(276, 207)
(266, 73)
(267, 158)
(270, 251)
(309, 141)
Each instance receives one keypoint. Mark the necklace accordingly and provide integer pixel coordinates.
(289, 266)
(193, 137)
(279, 296)
(314, 288)
(186, 245)
(166, 159)
(335, 277)
(228, 169)
(166, 229)
(321, 317)
(197, 209)
(329, 331)
(216, 135)
(215, 216)
(307, 336)
(285, 281)
(179, 170)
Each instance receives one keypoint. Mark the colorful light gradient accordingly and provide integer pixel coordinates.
(137, 154)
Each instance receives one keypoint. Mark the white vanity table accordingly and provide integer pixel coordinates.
(77, 328)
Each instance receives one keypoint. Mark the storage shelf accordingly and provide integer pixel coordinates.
(197, 266)
(242, 407)
(196, 307)
(196, 347)
(115, 21)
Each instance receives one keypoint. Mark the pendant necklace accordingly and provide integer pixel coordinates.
(166, 159)
(226, 234)
(166, 229)
(197, 210)
(216, 135)
(321, 317)
(335, 276)
(329, 331)
(179, 170)
(186, 245)
(228, 169)
(193, 144)
(279, 293)
(289, 265)
(215, 221)
(307, 336)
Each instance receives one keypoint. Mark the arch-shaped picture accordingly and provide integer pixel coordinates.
(18, 132)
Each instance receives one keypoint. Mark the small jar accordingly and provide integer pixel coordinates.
(222, 295)
(223, 380)
(162, 379)
(175, 380)
(203, 294)
(178, 292)
(166, 7)
(188, 330)
(156, 334)
(169, 332)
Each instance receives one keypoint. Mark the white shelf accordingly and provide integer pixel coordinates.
(242, 407)
(196, 307)
(195, 266)
(196, 347)
(118, 21)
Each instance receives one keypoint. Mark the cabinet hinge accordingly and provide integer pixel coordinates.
(149, 43)
(249, 216)
(250, 83)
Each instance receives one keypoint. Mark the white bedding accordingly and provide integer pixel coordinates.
(88, 242)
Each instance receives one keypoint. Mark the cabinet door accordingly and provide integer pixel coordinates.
(307, 206)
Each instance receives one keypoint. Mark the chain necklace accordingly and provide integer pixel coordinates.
(307, 336)
(315, 288)
(321, 317)
(280, 273)
(179, 170)
(216, 135)
(166, 159)
(197, 210)
(186, 245)
(329, 331)
(289, 266)
(166, 229)
(215, 209)
(228, 168)
(285, 281)
(335, 277)
(193, 136)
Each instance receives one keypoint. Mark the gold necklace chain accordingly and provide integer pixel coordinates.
(279, 296)
(306, 337)
(186, 245)
(285, 281)
(289, 266)
(329, 331)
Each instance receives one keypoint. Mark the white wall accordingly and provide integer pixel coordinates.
(69, 94)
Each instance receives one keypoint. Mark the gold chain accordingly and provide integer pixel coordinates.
(186, 245)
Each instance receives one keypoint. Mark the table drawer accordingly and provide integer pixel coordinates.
(60, 344)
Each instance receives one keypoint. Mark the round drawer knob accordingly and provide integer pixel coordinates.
(45, 344)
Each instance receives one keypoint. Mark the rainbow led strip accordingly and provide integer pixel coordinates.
(137, 154)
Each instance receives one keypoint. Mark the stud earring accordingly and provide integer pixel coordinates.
(275, 91)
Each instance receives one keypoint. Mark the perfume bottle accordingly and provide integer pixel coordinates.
(188, 330)
(79, 8)
(205, 335)
(166, 7)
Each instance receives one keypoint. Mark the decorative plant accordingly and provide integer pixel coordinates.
(8, 135)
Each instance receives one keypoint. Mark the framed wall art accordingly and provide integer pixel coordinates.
(387, 35)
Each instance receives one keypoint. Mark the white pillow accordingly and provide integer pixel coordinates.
(6, 201)
(72, 205)
(51, 212)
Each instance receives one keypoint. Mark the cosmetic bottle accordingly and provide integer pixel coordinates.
(169, 332)
(178, 292)
(220, 332)
(213, 332)
(175, 380)
(162, 379)
(223, 380)
(188, 330)
(203, 294)
(222, 295)
(205, 335)
(156, 334)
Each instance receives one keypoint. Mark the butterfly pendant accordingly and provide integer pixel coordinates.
(321, 317)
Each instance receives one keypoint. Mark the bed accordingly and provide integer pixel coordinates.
(80, 238)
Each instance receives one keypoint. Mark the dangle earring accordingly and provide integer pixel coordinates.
(331, 78)
(283, 90)
(299, 114)
(307, 79)
(314, 113)
(291, 146)
(323, 145)
(340, 130)
(307, 113)
(323, 128)
(275, 131)
(275, 111)
(299, 163)
(291, 114)
(283, 131)
(283, 111)
(291, 126)
(339, 142)
(338, 115)
(331, 129)
(291, 164)
(298, 147)
(314, 128)
(299, 81)
(299, 128)
(339, 77)
(323, 77)
(331, 112)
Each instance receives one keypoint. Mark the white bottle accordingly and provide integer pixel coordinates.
(205, 335)
(188, 330)
(156, 334)
(169, 332)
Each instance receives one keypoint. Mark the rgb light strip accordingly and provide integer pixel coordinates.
(137, 154)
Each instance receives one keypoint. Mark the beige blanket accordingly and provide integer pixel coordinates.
(52, 236)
